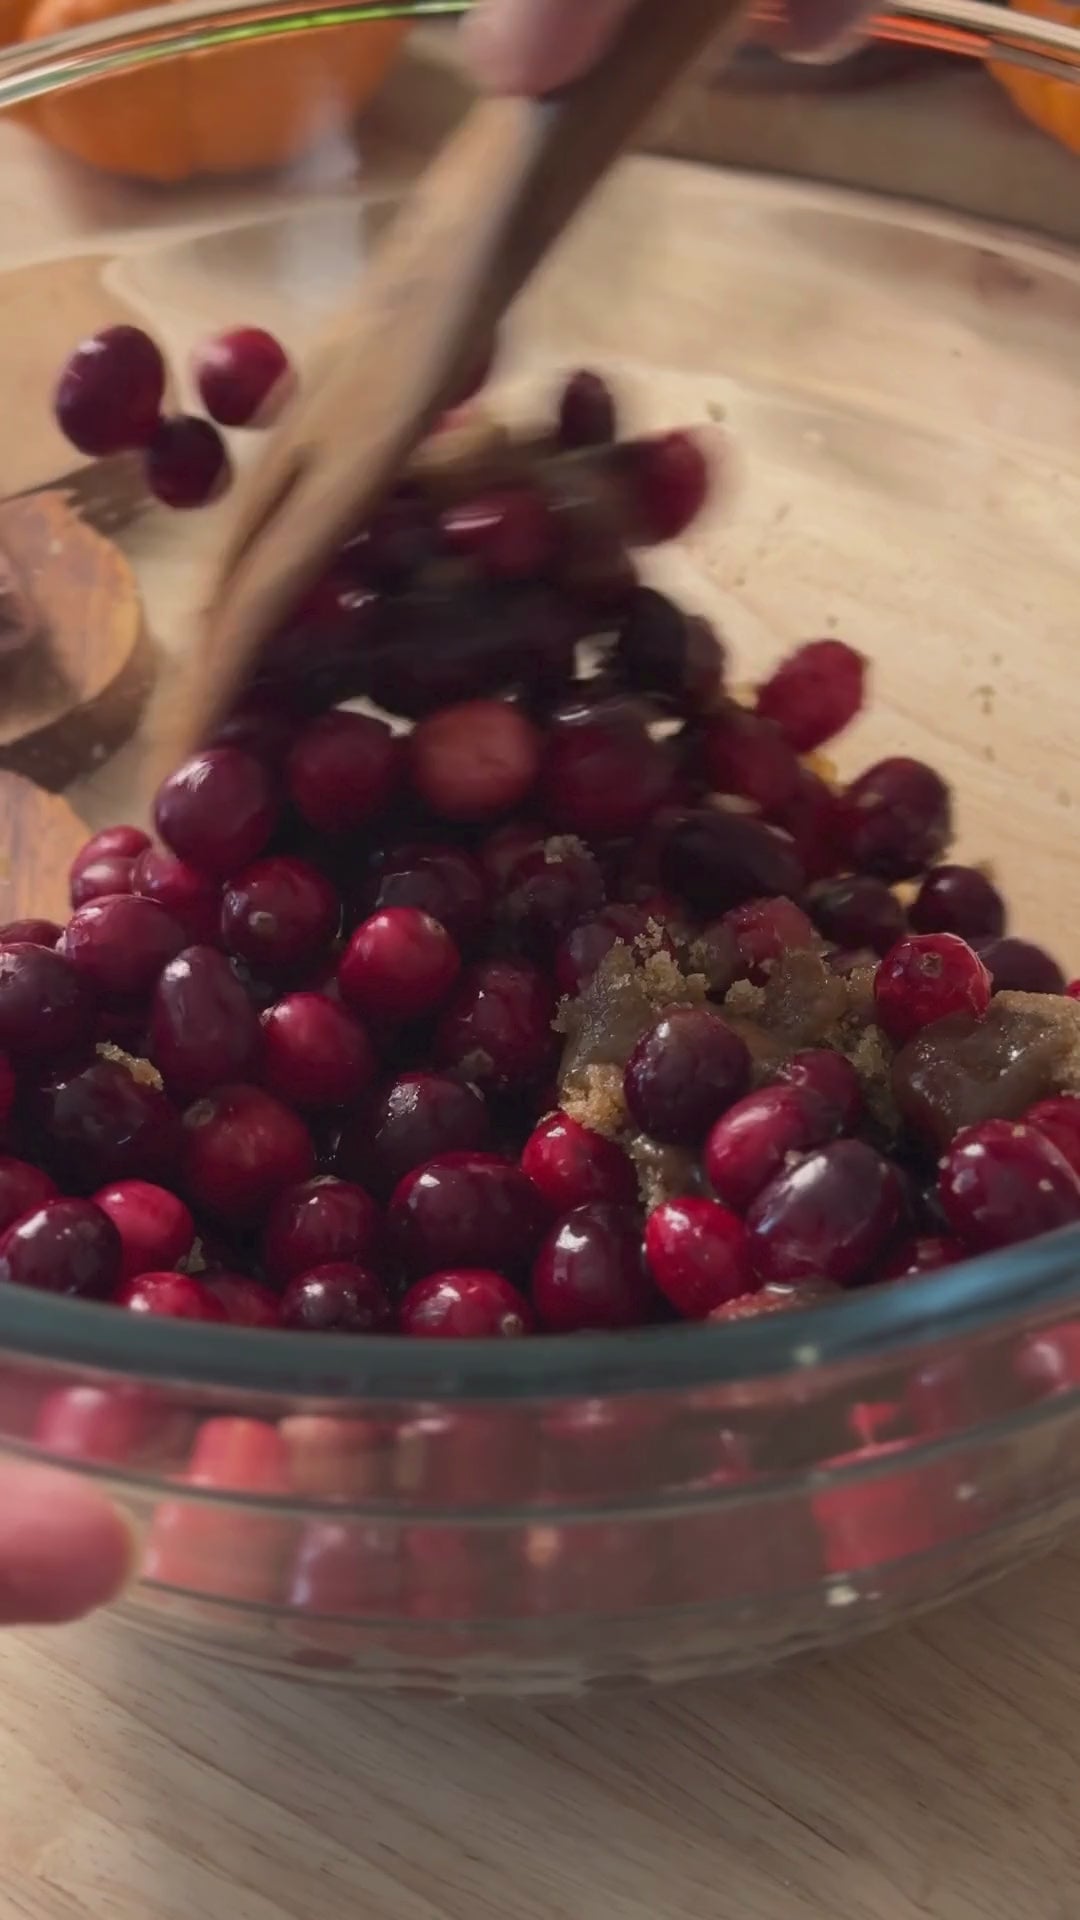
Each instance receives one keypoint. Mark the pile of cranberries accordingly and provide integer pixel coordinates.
(295, 1063)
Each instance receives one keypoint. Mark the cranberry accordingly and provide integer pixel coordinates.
(473, 761)
(1059, 1119)
(1002, 1182)
(1072, 990)
(23, 1189)
(572, 1166)
(815, 694)
(591, 1273)
(830, 1078)
(959, 900)
(662, 650)
(169, 1296)
(749, 757)
(315, 1053)
(189, 897)
(685, 1071)
(186, 462)
(416, 1118)
(244, 1302)
(926, 1253)
(156, 1230)
(1049, 1361)
(775, 1297)
(830, 1216)
(7, 1090)
(120, 945)
(549, 891)
(203, 1027)
(586, 412)
(242, 376)
(96, 1423)
(30, 933)
(811, 817)
(445, 882)
(857, 911)
(110, 392)
(715, 860)
(398, 965)
(66, 1246)
(497, 1028)
(112, 873)
(578, 956)
(895, 819)
(502, 849)
(318, 1221)
(664, 483)
(470, 1304)
(602, 778)
(336, 1298)
(241, 1146)
(342, 770)
(924, 978)
(508, 533)
(697, 1251)
(125, 843)
(466, 1210)
(279, 914)
(1019, 966)
(259, 724)
(217, 810)
(764, 930)
(46, 1007)
(750, 1145)
(106, 1124)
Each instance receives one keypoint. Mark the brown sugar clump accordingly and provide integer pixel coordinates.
(961, 1071)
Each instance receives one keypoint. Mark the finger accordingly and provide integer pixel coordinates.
(532, 46)
(64, 1548)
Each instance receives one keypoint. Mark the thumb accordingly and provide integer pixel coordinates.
(64, 1548)
(532, 46)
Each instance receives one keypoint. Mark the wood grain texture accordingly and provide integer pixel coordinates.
(40, 834)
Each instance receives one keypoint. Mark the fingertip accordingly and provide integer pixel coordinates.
(65, 1549)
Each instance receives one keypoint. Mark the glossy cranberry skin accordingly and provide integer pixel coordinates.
(1019, 966)
(926, 1253)
(399, 965)
(698, 1254)
(466, 1210)
(120, 945)
(663, 651)
(474, 761)
(236, 374)
(109, 396)
(156, 1229)
(244, 1302)
(336, 1298)
(30, 933)
(23, 1189)
(187, 464)
(959, 900)
(684, 1072)
(203, 1027)
(496, 1030)
(471, 1304)
(586, 416)
(831, 1216)
(811, 818)
(415, 1119)
(549, 891)
(591, 1273)
(445, 882)
(170, 1296)
(342, 770)
(279, 914)
(603, 778)
(571, 1166)
(716, 860)
(830, 1078)
(895, 819)
(815, 694)
(749, 757)
(775, 1297)
(924, 978)
(508, 533)
(217, 810)
(191, 898)
(7, 1089)
(764, 930)
(579, 955)
(66, 1246)
(46, 1006)
(317, 1221)
(113, 873)
(1003, 1182)
(315, 1053)
(664, 483)
(123, 842)
(103, 1125)
(749, 1146)
(241, 1146)
(1059, 1119)
(856, 910)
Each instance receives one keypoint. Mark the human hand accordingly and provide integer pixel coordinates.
(64, 1548)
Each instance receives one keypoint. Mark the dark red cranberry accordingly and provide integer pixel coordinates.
(664, 651)
(217, 810)
(474, 761)
(926, 1253)
(241, 1146)
(815, 694)
(66, 1246)
(315, 1052)
(120, 945)
(169, 1296)
(112, 873)
(396, 541)
(191, 898)
(318, 1221)
(416, 1118)
(811, 818)
(262, 724)
(1019, 966)
(763, 930)
(23, 1189)
(30, 933)
(471, 1304)
(664, 483)
(580, 953)
(46, 1006)
(509, 533)
(591, 1273)
(496, 1030)
(828, 1077)
(109, 396)
(924, 978)
(586, 415)
(156, 1229)
(244, 1302)
(466, 1210)
(1049, 1361)
(603, 778)
(445, 882)
(1002, 1182)
(549, 891)
(959, 900)
(342, 770)
(749, 757)
(203, 1027)
(895, 819)
(775, 1297)
(187, 464)
(501, 851)
(572, 1166)
(1059, 1119)
(336, 1298)
(279, 914)
(830, 1216)
(399, 965)
(1072, 991)
(685, 1071)
(750, 1145)
(698, 1254)
(242, 376)
(111, 844)
(106, 1124)
(855, 910)
(715, 860)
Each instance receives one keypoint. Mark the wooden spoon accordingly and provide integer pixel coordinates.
(480, 220)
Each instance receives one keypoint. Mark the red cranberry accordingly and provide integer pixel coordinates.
(113, 873)
(30, 933)
(318, 1221)
(466, 1210)
(244, 1302)
(156, 1230)
(924, 978)
(124, 843)
(66, 1246)
(591, 1273)
(120, 945)
(895, 819)
(749, 757)
(497, 1028)
(96, 1423)
(315, 1053)
(189, 897)
(418, 1117)
(685, 1071)
(242, 376)
(572, 1166)
(830, 1078)
(815, 694)
(467, 1305)
(1072, 990)
(342, 770)
(474, 761)
(110, 392)
(959, 900)
(1019, 966)
(186, 462)
(502, 849)
(857, 911)
(664, 484)
(763, 930)
(664, 651)
(105, 1124)
(578, 956)
(926, 1253)
(697, 1251)
(260, 724)
(750, 1145)
(830, 1216)
(775, 1297)
(203, 1027)
(1049, 1361)
(1002, 1182)
(23, 1189)
(1059, 1119)
(169, 1296)
(336, 1298)
(549, 891)
(241, 1146)
(217, 810)
(508, 533)
(398, 965)
(445, 882)
(603, 778)
(586, 412)
(715, 860)
(395, 543)
(811, 818)
(279, 914)
(46, 1007)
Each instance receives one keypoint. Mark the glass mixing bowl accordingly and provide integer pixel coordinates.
(897, 382)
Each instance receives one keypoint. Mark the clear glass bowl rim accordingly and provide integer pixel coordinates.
(1027, 1283)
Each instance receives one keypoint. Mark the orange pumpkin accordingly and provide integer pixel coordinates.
(1053, 105)
(230, 110)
